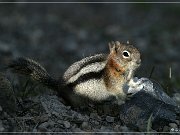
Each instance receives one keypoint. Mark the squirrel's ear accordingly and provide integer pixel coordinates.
(113, 46)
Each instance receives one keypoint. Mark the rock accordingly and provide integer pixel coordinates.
(95, 116)
(67, 124)
(117, 127)
(147, 102)
(60, 121)
(77, 130)
(105, 129)
(166, 129)
(42, 129)
(85, 126)
(176, 97)
(55, 113)
(1, 109)
(178, 122)
(1, 127)
(109, 119)
(173, 125)
(51, 123)
(124, 129)
(44, 118)
(44, 125)
(96, 123)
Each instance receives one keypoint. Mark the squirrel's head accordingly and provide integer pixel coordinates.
(126, 58)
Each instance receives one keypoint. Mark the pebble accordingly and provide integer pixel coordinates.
(85, 126)
(1, 127)
(173, 125)
(44, 125)
(77, 130)
(55, 113)
(166, 129)
(96, 123)
(124, 129)
(109, 119)
(117, 127)
(60, 121)
(44, 118)
(94, 116)
(1, 109)
(42, 129)
(178, 122)
(176, 97)
(67, 124)
(51, 123)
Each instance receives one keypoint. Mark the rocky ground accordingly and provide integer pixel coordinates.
(57, 35)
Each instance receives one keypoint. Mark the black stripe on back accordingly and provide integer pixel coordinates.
(83, 63)
(86, 77)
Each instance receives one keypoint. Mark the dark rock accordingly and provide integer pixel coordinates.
(150, 101)
(1, 127)
(176, 97)
(85, 126)
(173, 125)
(109, 119)
(166, 129)
(1, 109)
(44, 125)
(124, 129)
(67, 124)
(94, 116)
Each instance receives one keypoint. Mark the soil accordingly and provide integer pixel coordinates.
(56, 35)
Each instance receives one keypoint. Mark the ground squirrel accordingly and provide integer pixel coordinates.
(96, 77)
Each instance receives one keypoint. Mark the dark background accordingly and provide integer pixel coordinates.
(56, 35)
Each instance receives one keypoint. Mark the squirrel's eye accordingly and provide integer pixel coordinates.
(126, 54)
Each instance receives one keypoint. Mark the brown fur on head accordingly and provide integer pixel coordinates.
(124, 58)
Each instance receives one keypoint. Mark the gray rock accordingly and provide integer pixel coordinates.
(96, 123)
(44, 125)
(60, 121)
(176, 97)
(178, 122)
(166, 129)
(148, 99)
(95, 116)
(117, 128)
(67, 124)
(85, 126)
(44, 118)
(1, 109)
(151, 87)
(105, 129)
(77, 130)
(124, 129)
(109, 119)
(51, 123)
(1, 127)
(42, 129)
(173, 125)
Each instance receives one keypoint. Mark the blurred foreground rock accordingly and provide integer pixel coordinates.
(149, 104)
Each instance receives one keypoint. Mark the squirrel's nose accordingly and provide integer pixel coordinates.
(138, 61)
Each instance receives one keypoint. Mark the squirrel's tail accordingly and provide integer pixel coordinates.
(33, 69)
